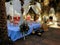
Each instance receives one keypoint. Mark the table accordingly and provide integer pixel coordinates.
(55, 25)
(14, 32)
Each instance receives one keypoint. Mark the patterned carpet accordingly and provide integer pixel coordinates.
(52, 37)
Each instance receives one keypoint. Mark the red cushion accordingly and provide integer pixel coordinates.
(16, 19)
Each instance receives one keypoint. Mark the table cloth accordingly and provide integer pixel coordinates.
(14, 32)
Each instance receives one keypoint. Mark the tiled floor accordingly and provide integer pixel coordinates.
(52, 37)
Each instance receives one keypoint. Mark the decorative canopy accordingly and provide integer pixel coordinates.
(36, 8)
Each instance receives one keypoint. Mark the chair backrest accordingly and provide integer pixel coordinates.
(28, 17)
(16, 19)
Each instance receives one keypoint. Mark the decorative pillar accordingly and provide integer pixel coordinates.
(3, 21)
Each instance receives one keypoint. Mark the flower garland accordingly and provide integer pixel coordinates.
(24, 28)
